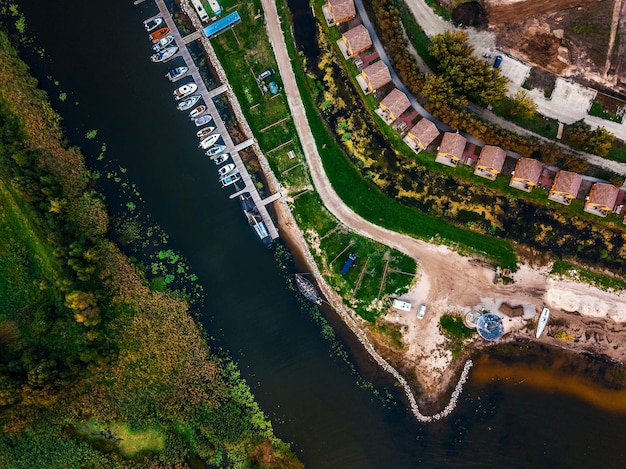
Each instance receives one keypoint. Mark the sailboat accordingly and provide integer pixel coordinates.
(307, 289)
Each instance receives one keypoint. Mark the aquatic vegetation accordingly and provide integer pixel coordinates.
(91, 134)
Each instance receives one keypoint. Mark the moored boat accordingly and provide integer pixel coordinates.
(230, 179)
(188, 103)
(159, 33)
(219, 159)
(215, 150)
(227, 168)
(543, 320)
(203, 133)
(307, 289)
(203, 120)
(209, 141)
(197, 111)
(164, 54)
(163, 43)
(176, 74)
(152, 24)
(185, 90)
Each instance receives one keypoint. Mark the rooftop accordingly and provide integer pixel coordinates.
(358, 39)
(395, 103)
(377, 74)
(342, 9)
(492, 157)
(604, 195)
(425, 131)
(567, 182)
(452, 144)
(528, 169)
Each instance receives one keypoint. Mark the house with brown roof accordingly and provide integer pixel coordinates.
(422, 134)
(490, 162)
(601, 199)
(565, 187)
(394, 104)
(526, 175)
(341, 10)
(450, 151)
(357, 40)
(376, 75)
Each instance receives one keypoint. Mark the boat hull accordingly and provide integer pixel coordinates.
(188, 103)
(197, 111)
(543, 320)
(215, 150)
(209, 141)
(204, 133)
(159, 33)
(308, 290)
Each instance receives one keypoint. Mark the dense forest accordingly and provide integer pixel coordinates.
(96, 368)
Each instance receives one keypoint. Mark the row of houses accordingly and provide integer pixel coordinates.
(451, 151)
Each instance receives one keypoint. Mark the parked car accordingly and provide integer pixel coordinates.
(421, 311)
(267, 73)
(497, 62)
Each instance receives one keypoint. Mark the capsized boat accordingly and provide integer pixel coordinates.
(227, 168)
(543, 320)
(163, 43)
(185, 90)
(203, 120)
(159, 33)
(188, 103)
(230, 179)
(197, 111)
(219, 159)
(152, 24)
(203, 133)
(308, 290)
(176, 74)
(164, 54)
(215, 150)
(209, 141)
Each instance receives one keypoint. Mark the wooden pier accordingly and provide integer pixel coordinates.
(207, 95)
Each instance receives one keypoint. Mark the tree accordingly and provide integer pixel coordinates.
(599, 142)
(521, 105)
(550, 154)
(576, 134)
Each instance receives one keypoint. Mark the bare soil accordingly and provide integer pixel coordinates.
(502, 11)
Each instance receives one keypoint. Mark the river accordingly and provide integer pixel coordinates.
(98, 53)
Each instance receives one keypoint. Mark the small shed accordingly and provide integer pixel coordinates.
(395, 103)
(376, 75)
(423, 133)
(357, 40)
(341, 10)
(490, 162)
(601, 199)
(402, 305)
(451, 149)
(565, 187)
(526, 175)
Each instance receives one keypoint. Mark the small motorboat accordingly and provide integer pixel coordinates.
(164, 54)
(163, 43)
(219, 159)
(185, 90)
(159, 33)
(215, 150)
(188, 103)
(307, 288)
(209, 141)
(227, 168)
(203, 133)
(152, 24)
(176, 74)
(203, 120)
(543, 320)
(230, 179)
(197, 111)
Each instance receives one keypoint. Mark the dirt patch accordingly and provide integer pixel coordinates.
(470, 14)
(506, 12)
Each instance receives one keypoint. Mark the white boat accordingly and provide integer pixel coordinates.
(230, 179)
(215, 150)
(152, 24)
(163, 43)
(203, 133)
(203, 120)
(219, 159)
(176, 74)
(543, 320)
(227, 168)
(187, 103)
(164, 54)
(197, 111)
(185, 90)
(209, 141)
(307, 288)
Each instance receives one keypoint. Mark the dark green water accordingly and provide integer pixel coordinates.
(99, 52)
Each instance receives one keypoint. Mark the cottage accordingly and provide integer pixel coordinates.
(526, 174)
(341, 10)
(601, 199)
(423, 133)
(394, 104)
(376, 75)
(451, 149)
(565, 187)
(490, 162)
(357, 40)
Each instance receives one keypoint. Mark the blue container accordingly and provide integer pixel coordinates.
(274, 88)
(348, 264)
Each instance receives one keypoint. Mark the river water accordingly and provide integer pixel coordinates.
(98, 53)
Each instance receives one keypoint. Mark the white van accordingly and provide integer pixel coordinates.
(421, 311)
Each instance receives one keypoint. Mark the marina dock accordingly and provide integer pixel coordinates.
(207, 96)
